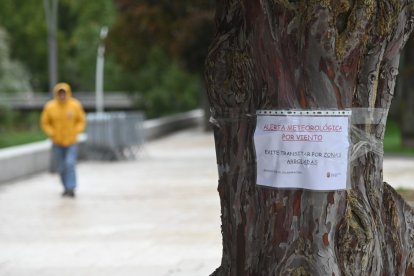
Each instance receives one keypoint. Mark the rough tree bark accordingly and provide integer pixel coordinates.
(315, 54)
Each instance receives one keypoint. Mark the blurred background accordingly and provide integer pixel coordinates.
(154, 55)
(153, 61)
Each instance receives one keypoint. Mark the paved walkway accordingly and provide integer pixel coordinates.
(156, 216)
(159, 215)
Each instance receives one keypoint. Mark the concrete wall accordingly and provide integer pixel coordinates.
(158, 127)
(21, 161)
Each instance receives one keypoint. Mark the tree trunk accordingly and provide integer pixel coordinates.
(286, 54)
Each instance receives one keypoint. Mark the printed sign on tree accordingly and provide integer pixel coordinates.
(302, 149)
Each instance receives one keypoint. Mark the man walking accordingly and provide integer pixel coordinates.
(62, 119)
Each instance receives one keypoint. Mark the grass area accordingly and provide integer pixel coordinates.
(13, 138)
(19, 127)
(392, 140)
(392, 144)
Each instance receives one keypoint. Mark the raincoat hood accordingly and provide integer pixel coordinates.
(62, 86)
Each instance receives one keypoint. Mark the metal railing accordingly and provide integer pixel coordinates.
(114, 135)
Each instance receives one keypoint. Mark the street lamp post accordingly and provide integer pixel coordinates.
(99, 103)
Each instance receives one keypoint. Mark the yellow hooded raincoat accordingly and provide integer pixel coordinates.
(63, 120)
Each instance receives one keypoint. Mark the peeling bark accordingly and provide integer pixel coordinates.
(317, 54)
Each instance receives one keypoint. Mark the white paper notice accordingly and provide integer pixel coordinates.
(302, 151)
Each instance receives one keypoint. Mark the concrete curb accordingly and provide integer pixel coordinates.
(22, 161)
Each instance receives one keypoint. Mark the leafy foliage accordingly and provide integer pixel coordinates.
(13, 76)
(26, 27)
(79, 23)
(163, 44)
(182, 28)
(167, 89)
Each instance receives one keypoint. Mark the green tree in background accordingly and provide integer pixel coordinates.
(182, 29)
(79, 23)
(27, 29)
(79, 26)
(163, 44)
(167, 88)
(13, 76)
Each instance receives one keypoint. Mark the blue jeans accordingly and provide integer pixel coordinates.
(65, 158)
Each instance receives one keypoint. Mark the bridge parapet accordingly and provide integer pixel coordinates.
(35, 101)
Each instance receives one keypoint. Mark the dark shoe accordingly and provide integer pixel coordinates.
(68, 193)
